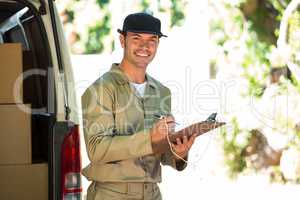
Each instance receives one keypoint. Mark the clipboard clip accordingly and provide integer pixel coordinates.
(211, 118)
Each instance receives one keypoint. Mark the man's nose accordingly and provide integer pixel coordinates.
(144, 44)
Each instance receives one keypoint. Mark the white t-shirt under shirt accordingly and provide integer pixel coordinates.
(139, 87)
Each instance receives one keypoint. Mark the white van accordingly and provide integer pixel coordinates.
(49, 90)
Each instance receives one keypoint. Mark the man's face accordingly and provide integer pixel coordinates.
(139, 48)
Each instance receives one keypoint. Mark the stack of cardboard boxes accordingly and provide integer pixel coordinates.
(19, 177)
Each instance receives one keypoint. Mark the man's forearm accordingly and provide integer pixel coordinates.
(113, 148)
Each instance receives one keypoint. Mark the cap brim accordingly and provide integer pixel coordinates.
(141, 31)
(120, 31)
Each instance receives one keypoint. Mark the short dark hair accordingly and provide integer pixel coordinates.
(124, 34)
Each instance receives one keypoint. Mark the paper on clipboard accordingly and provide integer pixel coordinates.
(198, 128)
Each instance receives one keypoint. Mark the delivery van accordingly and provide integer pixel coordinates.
(39, 127)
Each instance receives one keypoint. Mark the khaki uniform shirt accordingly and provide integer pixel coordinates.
(116, 129)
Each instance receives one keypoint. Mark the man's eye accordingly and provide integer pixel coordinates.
(153, 41)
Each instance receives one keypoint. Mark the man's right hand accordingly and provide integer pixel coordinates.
(159, 134)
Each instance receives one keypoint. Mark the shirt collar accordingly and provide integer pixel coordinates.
(122, 78)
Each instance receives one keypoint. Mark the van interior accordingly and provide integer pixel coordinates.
(20, 23)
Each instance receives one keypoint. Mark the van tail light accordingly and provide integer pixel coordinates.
(70, 166)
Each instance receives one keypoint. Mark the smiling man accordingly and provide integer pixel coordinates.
(126, 142)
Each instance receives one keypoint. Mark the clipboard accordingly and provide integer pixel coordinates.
(198, 128)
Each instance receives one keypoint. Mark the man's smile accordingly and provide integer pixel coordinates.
(142, 54)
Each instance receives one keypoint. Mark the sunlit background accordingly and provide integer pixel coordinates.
(238, 58)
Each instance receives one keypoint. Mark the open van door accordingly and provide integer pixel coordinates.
(48, 87)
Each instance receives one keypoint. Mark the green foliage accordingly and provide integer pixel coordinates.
(177, 14)
(70, 15)
(160, 7)
(276, 175)
(145, 6)
(279, 5)
(293, 36)
(102, 3)
(233, 148)
(295, 143)
(256, 65)
(176, 10)
(217, 27)
(254, 61)
(96, 34)
(296, 83)
(257, 24)
(263, 20)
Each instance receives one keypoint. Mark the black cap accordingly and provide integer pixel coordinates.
(141, 23)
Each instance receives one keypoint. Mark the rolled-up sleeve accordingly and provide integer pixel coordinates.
(169, 159)
(102, 142)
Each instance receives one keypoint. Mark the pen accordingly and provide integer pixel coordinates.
(162, 116)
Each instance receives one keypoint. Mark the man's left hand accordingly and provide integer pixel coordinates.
(183, 146)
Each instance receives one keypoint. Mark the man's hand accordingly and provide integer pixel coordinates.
(159, 134)
(183, 146)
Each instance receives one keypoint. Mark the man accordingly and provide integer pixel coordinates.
(126, 142)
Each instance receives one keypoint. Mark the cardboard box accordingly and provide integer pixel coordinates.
(11, 68)
(26, 182)
(15, 135)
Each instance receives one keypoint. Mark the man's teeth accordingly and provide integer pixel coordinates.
(142, 54)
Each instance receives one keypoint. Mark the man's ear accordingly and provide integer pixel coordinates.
(122, 40)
